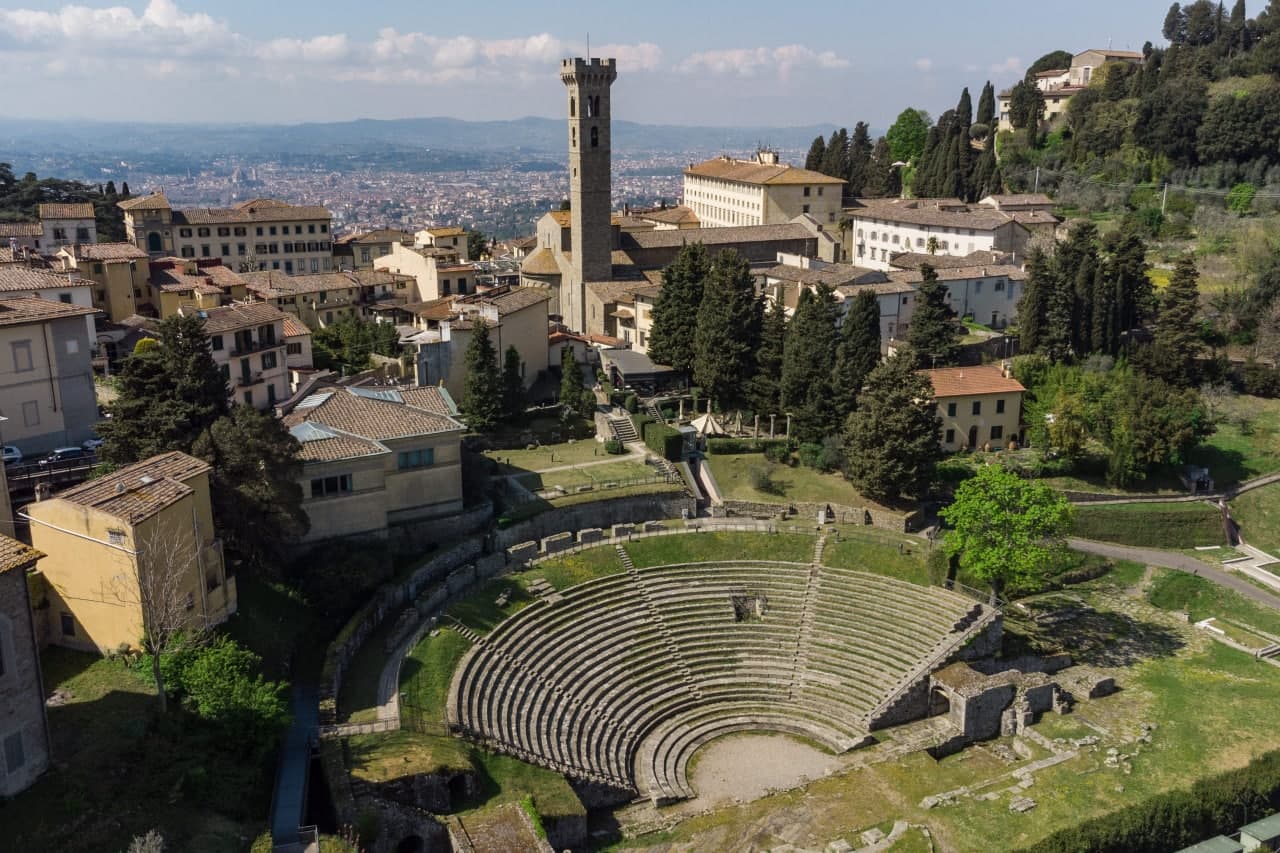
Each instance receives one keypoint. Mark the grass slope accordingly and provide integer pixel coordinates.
(805, 485)
(1258, 514)
(1159, 525)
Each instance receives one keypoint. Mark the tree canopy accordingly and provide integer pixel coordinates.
(482, 388)
(891, 440)
(675, 313)
(727, 331)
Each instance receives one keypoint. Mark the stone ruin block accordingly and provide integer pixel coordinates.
(619, 531)
(523, 552)
(558, 542)
(1099, 686)
(590, 534)
(651, 526)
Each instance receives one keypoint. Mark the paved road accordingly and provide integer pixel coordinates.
(1181, 562)
(288, 806)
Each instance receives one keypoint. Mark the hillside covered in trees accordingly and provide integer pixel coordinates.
(20, 200)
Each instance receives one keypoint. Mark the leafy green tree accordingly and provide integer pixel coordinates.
(254, 488)
(1026, 109)
(1175, 25)
(934, 334)
(892, 439)
(727, 332)
(1053, 61)
(1164, 117)
(907, 135)
(1240, 198)
(477, 244)
(857, 353)
(1163, 423)
(675, 313)
(883, 178)
(222, 683)
(765, 386)
(1176, 343)
(482, 388)
(807, 366)
(1006, 530)
(513, 396)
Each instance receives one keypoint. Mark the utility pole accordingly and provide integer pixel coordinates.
(1164, 197)
(1037, 188)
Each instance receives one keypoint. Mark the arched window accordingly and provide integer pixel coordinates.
(153, 242)
(595, 105)
(591, 107)
(573, 133)
(595, 137)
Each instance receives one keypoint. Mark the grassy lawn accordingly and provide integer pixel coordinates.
(427, 671)
(120, 771)
(1246, 444)
(733, 475)
(273, 621)
(358, 699)
(726, 545)
(1200, 598)
(590, 475)
(548, 456)
(1258, 514)
(539, 505)
(871, 551)
(577, 568)
(1161, 525)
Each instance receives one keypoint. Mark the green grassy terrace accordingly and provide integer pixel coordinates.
(1156, 525)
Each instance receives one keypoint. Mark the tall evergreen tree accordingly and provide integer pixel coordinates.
(724, 342)
(513, 396)
(1126, 265)
(986, 114)
(675, 313)
(858, 351)
(835, 161)
(892, 442)
(860, 148)
(1034, 304)
(765, 387)
(196, 376)
(934, 334)
(1176, 343)
(883, 179)
(817, 153)
(807, 365)
(576, 399)
(482, 388)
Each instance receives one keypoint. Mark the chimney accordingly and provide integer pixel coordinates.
(43, 491)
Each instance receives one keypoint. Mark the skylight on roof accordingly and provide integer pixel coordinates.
(313, 400)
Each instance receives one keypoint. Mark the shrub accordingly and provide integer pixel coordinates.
(762, 481)
(664, 441)
(733, 446)
(953, 471)
(1259, 380)
(1240, 198)
(640, 421)
(778, 453)
(614, 447)
(631, 403)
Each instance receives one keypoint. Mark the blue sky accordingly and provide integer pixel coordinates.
(716, 63)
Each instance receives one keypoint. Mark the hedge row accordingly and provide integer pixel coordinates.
(1179, 525)
(734, 446)
(1213, 806)
(664, 441)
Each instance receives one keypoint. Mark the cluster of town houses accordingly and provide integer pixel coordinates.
(263, 274)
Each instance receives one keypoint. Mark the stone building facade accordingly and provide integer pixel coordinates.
(24, 729)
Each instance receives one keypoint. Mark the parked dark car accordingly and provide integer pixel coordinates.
(63, 454)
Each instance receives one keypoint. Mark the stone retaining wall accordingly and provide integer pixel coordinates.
(602, 513)
(808, 512)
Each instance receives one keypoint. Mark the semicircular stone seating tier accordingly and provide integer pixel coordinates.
(621, 679)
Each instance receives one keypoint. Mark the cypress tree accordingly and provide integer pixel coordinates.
(892, 442)
(766, 385)
(807, 365)
(835, 161)
(934, 334)
(724, 340)
(987, 107)
(197, 380)
(513, 398)
(576, 400)
(860, 149)
(858, 351)
(482, 388)
(1034, 304)
(817, 153)
(675, 312)
(1176, 342)
(1126, 262)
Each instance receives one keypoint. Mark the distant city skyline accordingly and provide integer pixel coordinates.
(748, 63)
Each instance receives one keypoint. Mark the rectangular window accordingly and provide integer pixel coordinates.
(215, 342)
(999, 284)
(241, 231)
(951, 410)
(315, 265)
(73, 346)
(259, 230)
(951, 436)
(416, 458)
(241, 249)
(31, 413)
(323, 487)
(806, 192)
(68, 624)
(977, 287)
(804, 208)
(977, 407)
(293, 349)
(273, 231)
(204, 250)
(64, 298)
(324, 229)
(999, 407)
(446, 287)
(115, 537)
(226, 249)
(288, 248)
(997, 432)
(268, 361)
(184, 232)
(311, 229)
(248, 398)
(224, 231)
(14, 757)
(188, 251)
(82, 234)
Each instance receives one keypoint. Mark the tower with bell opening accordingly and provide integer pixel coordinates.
(590, 180)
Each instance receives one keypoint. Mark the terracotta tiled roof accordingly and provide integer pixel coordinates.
(380, 235)
(432, 398)
(971, 381)
(508, 299)
(832, 275)
(214, 278)
(107, 252)
(257, 210)
(751, 172)
(436, 309)
(17, 278)
(525, 242)
(932, 212)
(671, 216)
(139, 491)
(913, 260)
(240, 315)
(155, 201)
(16, 555)
(80, 210)
(21, 229)
(1112, 54)
(293, 327)
(616, 291)
(711, 237)
(1017, 199)
(273, 285)
(956, 273)
(446, 231)
(373, 414)
(541, 262)
(321, 443)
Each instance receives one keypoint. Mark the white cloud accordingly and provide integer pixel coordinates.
(760, 61)
(924, 65)
(644, 56)
(1011, 65)
(318, 49)
(162, 25)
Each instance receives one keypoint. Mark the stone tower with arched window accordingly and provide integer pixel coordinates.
(590, 180)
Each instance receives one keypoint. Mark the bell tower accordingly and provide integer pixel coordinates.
(590, 178)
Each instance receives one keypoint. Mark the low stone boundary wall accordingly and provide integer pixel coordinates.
(602, 513)
(881, 518)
